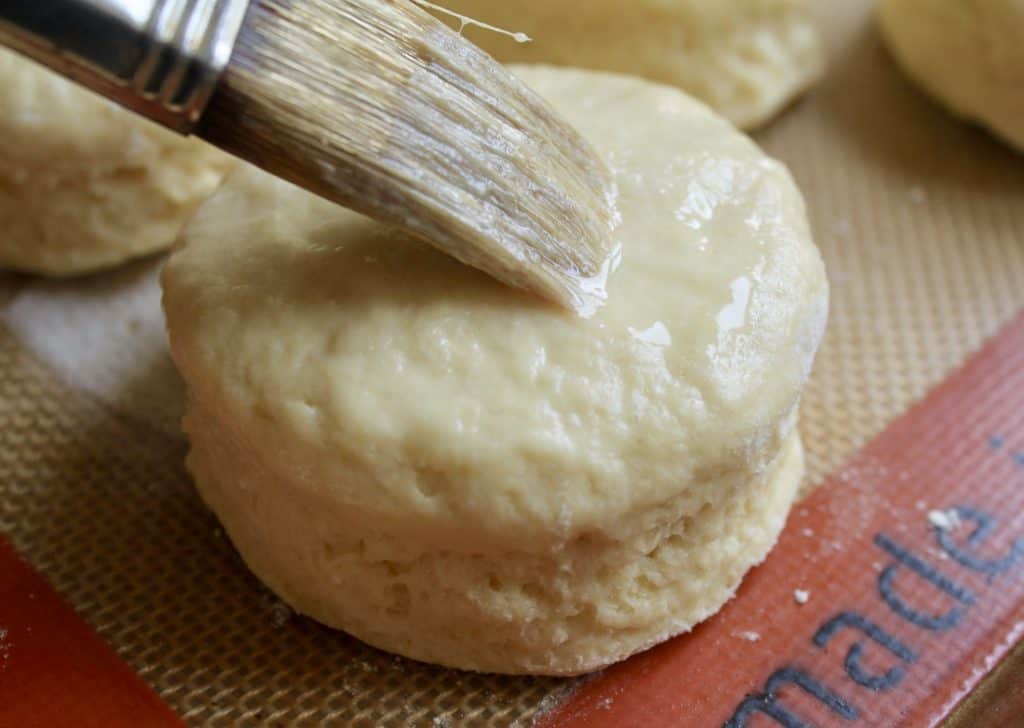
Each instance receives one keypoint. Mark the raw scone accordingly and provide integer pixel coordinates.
(461, 473)
(745, 58)
(84, 184)
(969, 54)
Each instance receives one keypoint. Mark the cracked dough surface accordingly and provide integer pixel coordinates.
(745, 58)
(452, 470)
(968, 54)
(84, 184)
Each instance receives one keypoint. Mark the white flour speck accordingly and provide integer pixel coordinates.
(801, 596)
(944, 520)
(807, 532)
(748, 635)
(105, 335)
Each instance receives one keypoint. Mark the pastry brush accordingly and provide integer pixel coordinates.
(373, 104)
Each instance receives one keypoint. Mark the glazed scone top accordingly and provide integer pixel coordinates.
(419, 390)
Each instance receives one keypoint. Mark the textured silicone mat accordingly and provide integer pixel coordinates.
(920, 220)
(55, 671)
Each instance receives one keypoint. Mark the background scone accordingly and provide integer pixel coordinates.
(968, 54)
(85, 184)
(745, 58)
(450, 469)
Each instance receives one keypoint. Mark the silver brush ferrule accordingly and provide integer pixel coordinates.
(160, 58)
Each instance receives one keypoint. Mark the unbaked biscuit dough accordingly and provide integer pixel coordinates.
(745, 58)
(969, 54)
(84, 184)
(461, 473)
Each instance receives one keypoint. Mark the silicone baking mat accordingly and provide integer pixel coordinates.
(921, 223)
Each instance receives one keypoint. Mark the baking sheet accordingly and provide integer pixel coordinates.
(921, 222)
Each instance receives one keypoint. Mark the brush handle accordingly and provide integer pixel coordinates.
(160, 58)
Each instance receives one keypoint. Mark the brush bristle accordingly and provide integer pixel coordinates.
(380, 107)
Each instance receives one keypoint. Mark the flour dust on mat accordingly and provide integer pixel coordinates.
(104, 335)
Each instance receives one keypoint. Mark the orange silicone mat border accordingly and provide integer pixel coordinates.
(55, 671)
(901, 616)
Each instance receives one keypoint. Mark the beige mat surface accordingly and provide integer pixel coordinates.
(921, 222)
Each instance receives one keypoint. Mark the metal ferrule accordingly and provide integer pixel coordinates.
(160, 58)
